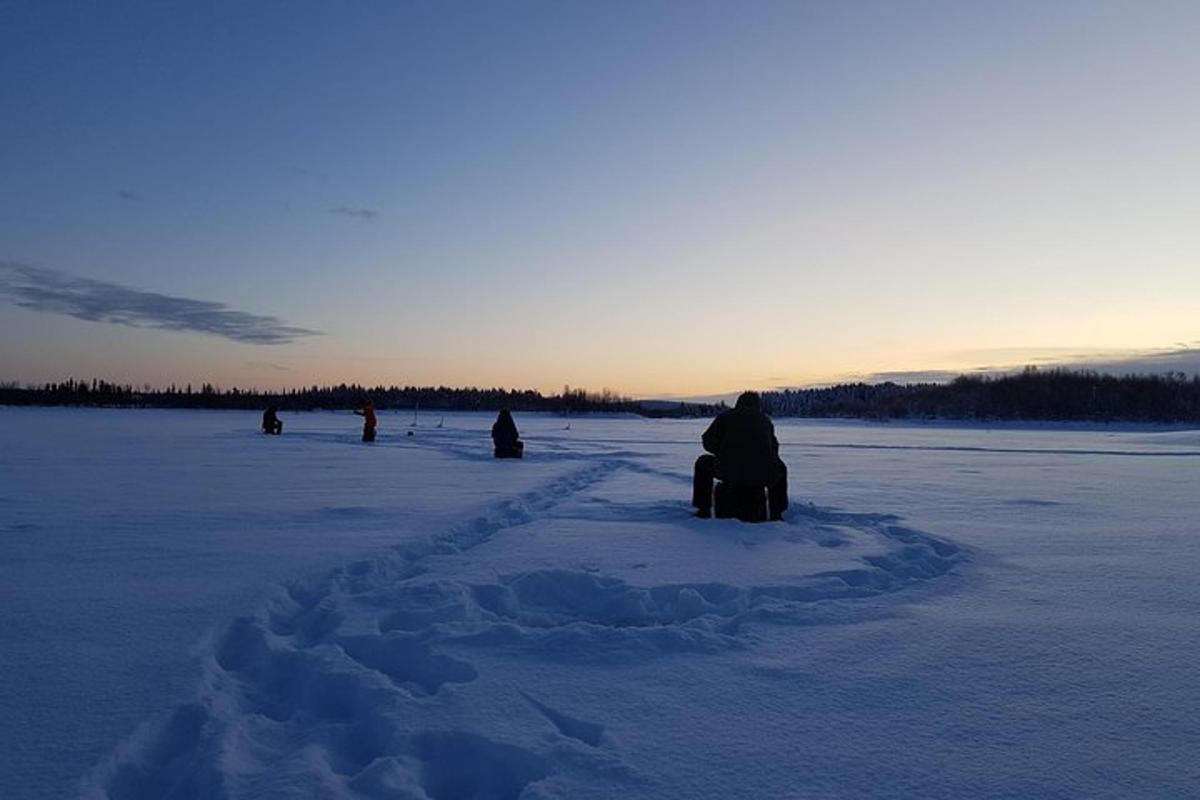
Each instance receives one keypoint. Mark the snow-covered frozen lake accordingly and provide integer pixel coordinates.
(193, 610)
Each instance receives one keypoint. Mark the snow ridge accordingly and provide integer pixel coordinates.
(364, 682)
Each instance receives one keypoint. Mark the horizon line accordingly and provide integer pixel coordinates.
(913, 378)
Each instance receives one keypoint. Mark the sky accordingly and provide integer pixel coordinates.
(660, 198)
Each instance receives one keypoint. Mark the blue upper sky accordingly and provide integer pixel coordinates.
(669, 197)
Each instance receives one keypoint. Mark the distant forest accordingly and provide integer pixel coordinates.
(1050, 395)
(100, 393)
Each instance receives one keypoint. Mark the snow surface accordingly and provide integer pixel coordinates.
(194, 610)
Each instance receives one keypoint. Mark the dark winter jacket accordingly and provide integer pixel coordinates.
(743, 440)
(504, 431)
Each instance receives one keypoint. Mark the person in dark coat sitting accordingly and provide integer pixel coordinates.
(271, 422)
(505, 437)
(743, 453)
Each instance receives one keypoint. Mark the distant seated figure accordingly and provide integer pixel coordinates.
(271, 422)
(367, 412)
(505, 437)
(743, 454)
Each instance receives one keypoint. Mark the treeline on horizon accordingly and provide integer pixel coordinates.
(101, 393)
(1031, 395)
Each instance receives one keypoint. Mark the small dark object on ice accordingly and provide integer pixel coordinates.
(271, 423)
(738, 501)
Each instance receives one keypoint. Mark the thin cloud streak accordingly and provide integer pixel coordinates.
(53, 292)
(1185, 359)
(305, 172)
(919, 376)
(360, 213)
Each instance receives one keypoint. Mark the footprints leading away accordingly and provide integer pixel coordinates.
(403, 676)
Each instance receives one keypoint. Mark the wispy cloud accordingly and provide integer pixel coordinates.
(268, 365)
(917, 376)
(125, 194)
(54, 292)
(305, 172)
(360, 213)
(1182, 358)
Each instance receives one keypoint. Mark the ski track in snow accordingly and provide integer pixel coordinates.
(346, 684)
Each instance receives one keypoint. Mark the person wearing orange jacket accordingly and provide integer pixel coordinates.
(367, 412)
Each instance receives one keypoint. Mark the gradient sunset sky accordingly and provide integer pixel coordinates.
(663, 198)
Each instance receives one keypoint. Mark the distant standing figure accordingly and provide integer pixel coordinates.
(271, 422)
(367, 412)
(505, 437)
(743, 453)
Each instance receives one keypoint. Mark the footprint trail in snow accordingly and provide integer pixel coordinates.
(414, 674)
